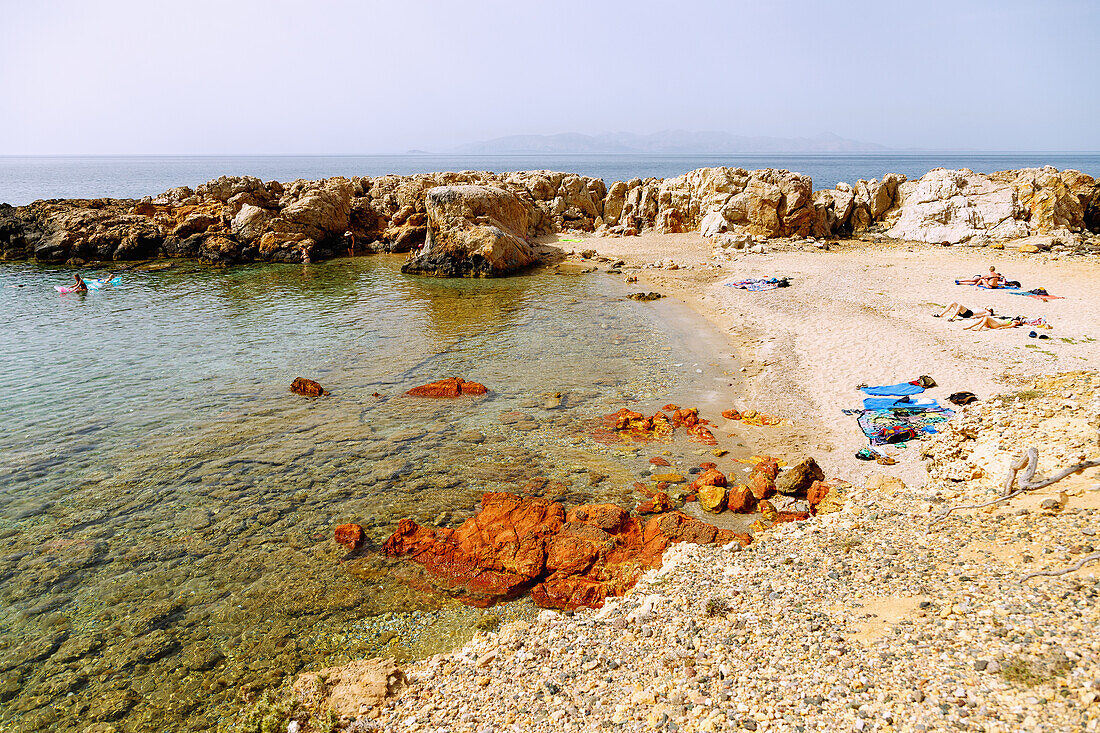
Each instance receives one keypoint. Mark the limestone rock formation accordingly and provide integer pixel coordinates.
(473, 231)
(958, 206)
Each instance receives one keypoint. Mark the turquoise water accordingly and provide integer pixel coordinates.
(26, 178)
(167, 505)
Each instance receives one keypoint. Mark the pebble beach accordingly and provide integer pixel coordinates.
(872, 617)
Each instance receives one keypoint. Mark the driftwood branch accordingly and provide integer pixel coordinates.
(1028, 463)
(1051, 573)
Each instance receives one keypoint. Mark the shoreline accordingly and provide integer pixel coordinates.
(887, 625)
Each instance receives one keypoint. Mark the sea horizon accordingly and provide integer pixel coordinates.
(27, 178)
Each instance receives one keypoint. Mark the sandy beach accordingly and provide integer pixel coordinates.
(862, 313)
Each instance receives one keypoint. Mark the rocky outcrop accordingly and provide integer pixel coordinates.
(473, 231)
(242, 219)
(566, 559)
(766, 203)
(961, 206)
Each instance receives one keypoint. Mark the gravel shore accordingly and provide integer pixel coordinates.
(864, 619)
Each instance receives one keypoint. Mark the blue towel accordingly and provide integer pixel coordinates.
(888, 403)
(894, 390)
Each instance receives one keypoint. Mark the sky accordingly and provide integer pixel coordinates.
(361, 77)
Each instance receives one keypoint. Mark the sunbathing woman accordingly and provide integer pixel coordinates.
(955, 310)
(985, 322)
(993, 280)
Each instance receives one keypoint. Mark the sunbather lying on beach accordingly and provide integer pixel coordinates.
(992, 280)
(956, 310)
(985, 322)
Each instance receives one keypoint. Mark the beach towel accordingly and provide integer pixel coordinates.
(1033, 293)
(897, 425)
(757, 284)
(888, 403)
(895, 390)
(1044, 296)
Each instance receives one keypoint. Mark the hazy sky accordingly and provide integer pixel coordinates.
(317, 76)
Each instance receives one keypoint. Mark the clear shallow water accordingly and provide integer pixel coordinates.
(25, 179)
(167, 506)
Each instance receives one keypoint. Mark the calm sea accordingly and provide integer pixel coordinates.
(25, 179)
(167, 505)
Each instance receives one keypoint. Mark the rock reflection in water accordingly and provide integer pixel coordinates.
(166, 550)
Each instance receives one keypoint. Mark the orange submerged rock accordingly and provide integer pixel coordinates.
(453, 387)
(566, 559)
(349, 535)
(307, 388)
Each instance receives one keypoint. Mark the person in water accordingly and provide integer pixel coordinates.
(81, 286)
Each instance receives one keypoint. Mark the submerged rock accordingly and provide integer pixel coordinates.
(350, 690)
(452, 387)
(307, 388)
(349, 535)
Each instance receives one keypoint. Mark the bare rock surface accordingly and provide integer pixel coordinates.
(473, 231)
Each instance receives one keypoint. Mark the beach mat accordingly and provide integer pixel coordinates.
(1017, 291)
(887, 426)
(759, 284)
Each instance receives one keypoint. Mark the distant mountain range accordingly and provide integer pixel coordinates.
(668, 141)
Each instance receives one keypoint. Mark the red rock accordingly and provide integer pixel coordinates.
(453, 387)
(710, 477)
(658, 461)
(567, 559)
(816, 494)
(686, 416)
(762, 479)
(708, 465)
(700, 434)
(726, 536)
(349, 535)
(781, 517)
(670, 407)
(494, 555)
(307, 388)
(731, 414)
(659, 504)
(741, 499)
(691, 497)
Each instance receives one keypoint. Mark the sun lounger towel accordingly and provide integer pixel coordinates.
(758, 284)
(895, 390)
(887, 403)
(885, 426)
(1044, 296)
